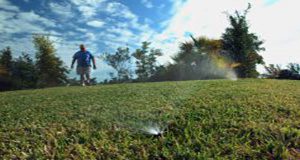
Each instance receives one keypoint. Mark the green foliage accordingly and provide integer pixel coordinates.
(292, 71)
(51, 70)
(195, 60)
(288, 74)
(6, 64)
(294, 68)
(24, 72)
(6, 60)
(245, 119)
(16, 73)
(272, 71)
(146, 61)
(242, 46)
(120, 61)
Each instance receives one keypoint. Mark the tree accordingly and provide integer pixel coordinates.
(273, 71)
(24, 72)
(146, 61)
(6, 62)
(242, 46)
(293, 72)
(199, 58)
(51, 70)
(120, 61)
(294, 68)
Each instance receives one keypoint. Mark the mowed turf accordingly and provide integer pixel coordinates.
(219, 119)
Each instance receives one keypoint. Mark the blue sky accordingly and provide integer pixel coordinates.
(104, 25)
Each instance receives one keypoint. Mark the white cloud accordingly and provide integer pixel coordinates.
(96, 23)
(278, 26)
(6, 5)
(88, 2)
(81, 29)
(121, 18)
(119, 10)
(176, 5)
(90, 36)
(88, 8)
(62, 9)
(121, 31)
(87, 11)
(32, 17)
(122, 36)
(147, 3)
(23, 22)
(5, 16)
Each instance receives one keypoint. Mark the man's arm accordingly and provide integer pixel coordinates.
(93, 60)
(73, 61)
(94, 63)
(75, 56)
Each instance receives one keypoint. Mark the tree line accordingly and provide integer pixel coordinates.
(292, 71)
(235, 54)
(24, 72)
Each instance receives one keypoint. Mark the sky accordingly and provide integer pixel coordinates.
(105, 25)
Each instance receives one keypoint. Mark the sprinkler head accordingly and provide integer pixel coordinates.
(158, 135)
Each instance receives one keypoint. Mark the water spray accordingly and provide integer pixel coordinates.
(154, 130)
(231, 75)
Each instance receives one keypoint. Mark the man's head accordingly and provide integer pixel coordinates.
(82, 47)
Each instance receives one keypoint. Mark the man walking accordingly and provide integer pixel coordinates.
(83, 69)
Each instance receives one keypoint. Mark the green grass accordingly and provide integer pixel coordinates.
(220, 119)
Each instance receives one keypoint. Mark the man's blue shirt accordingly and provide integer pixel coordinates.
(83, 58)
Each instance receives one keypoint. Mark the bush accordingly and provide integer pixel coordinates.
(288, 74)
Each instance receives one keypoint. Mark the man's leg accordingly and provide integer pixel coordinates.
(82, 79)
(81, 74)
(88, 77)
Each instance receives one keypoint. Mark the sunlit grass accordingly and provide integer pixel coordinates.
(218, 119)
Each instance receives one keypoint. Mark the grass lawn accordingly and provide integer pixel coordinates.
(219, 119)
